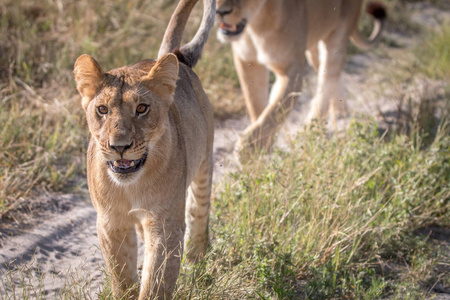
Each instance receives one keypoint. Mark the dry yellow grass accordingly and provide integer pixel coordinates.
(43, 134)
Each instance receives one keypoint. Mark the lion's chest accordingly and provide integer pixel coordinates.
(253, 47)
(250, 48)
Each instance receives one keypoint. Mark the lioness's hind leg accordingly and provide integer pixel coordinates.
(197, 212)
(332, 54)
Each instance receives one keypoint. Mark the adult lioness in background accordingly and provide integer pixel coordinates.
(273, 35)
(151, 148)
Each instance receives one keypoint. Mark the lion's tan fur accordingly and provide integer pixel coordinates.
(276, 36)
(167, 200)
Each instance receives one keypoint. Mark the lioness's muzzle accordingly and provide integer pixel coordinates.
(124, 166)
(227, 29)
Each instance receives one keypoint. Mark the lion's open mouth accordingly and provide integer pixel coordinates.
(124, 166)
(228, 29)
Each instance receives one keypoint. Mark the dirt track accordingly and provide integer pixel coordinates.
(62, 248)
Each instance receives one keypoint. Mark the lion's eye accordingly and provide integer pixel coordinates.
(141, 109)
(103, 110)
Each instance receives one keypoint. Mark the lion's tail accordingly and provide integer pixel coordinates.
(190, 53)
(378, 12)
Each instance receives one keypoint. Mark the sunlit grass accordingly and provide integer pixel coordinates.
(434, 53)
(42, 142)
(326, 218)
(320, 220)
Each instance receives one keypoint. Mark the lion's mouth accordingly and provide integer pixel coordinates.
(124, 166)
(232, 30)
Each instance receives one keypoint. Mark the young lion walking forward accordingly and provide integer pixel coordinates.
(150, 158)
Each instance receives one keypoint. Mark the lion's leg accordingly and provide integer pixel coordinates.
(282, 99)
(163, 243)
(312, 55)
(338, 103)
(119, 248)
(197, 212)
(332, 52)
(254, 80)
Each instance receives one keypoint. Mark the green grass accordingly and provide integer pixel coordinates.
(327, 218)
(434, 54)
(322, 219)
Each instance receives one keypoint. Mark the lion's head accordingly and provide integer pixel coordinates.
(126, 110)
(233, 16)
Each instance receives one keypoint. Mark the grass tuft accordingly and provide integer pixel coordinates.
(434, 54)
(329, 218)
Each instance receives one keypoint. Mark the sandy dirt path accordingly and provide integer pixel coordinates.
(61, 251)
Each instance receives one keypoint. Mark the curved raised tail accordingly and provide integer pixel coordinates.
(190, 53)
(378, 12)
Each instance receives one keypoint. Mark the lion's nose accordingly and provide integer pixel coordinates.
(223, 11)
(121, 148)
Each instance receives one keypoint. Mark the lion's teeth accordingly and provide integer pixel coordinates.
(132, 164)
(116, 163)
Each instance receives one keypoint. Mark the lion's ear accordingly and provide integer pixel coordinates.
(88, 76)
(162, 78)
